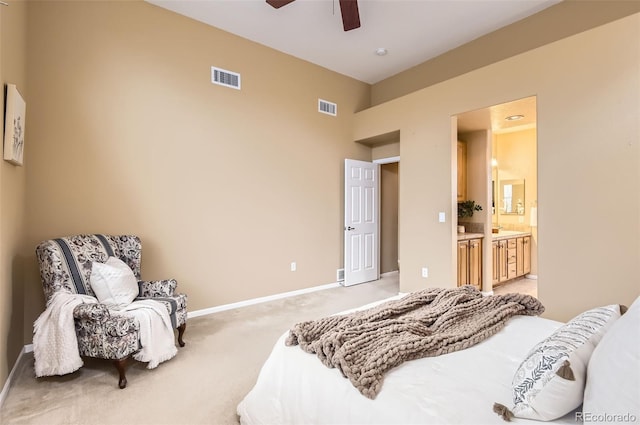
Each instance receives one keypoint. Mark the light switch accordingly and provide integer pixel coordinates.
(441, 217)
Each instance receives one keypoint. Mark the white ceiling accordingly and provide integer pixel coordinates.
(412, 31)
(494, 117)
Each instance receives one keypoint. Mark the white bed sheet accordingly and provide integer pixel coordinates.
(294, 387)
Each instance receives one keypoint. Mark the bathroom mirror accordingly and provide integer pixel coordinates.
(512, 197)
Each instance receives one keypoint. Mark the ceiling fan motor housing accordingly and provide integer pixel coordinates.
(348, 8)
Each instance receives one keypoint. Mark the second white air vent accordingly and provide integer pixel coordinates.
(327, 107)
(225, 78)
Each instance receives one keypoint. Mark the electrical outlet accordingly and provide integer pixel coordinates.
(425, 272)
(293, 266)
(441, 217)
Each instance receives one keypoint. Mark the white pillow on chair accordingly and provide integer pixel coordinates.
(113, 283)
(613, 375)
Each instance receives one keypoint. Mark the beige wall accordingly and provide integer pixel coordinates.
(126, 134)
(225, 187)
(389, 217)
(477, 143)
(516, 155)
(478, 189)
(554, 23)
(387, 150)
(13, 39)
(588, 104)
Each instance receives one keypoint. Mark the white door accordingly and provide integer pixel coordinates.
(361, 222)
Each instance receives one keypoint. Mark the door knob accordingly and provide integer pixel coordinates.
(351, 228)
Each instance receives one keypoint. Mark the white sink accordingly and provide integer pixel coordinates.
(508, 233)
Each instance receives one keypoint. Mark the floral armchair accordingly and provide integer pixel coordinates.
(65, 265)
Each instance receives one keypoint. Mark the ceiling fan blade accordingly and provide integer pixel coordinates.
(350, 14)
(279, 3)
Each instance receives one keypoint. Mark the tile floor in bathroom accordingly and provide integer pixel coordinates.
(521, 285)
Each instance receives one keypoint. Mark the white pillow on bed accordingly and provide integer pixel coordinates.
(613, 375)
(113, 283)
(545, 386)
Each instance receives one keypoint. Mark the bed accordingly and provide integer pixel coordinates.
(294, 387)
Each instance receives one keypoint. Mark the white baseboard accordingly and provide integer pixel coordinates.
(7, 384)
(380, 276)
(29, 347)
(531, 276)
(259, 300)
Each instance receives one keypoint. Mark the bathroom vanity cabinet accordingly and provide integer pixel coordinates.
(511, 257)
(470, 262)
(510, 253)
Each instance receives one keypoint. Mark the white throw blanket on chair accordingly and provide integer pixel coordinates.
(156, 333)
(55, 345)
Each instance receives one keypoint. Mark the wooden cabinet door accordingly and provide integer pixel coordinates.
(495, 259)
(502, 259)
(462, 171)
(475, 263)
(463, 263)
(526, 254)
(511, 258)
(519, 256)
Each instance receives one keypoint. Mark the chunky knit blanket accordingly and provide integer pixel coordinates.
(365, 344)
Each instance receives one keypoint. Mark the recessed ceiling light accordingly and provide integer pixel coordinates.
(381, 51)
(514, 117)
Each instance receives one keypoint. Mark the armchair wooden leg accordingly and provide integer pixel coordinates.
(181, 329)
(121, 364)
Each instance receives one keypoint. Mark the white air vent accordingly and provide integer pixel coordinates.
(340, 275)
(328, 108)
(225, 78)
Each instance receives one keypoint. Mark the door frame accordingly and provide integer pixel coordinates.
(389, 160)
(379, 161)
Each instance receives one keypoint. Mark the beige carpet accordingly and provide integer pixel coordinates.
(206, 380)
(202, 385)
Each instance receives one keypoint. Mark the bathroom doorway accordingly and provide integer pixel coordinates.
(499, 144)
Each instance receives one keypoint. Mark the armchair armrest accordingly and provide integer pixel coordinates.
(157, 288)
(95, 319)
(91, 311)
(119, 325)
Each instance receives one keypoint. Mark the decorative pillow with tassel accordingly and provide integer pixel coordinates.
(551, 379)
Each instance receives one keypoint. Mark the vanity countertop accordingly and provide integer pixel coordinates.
(503, 234)
(467, 236)
(507, 234)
